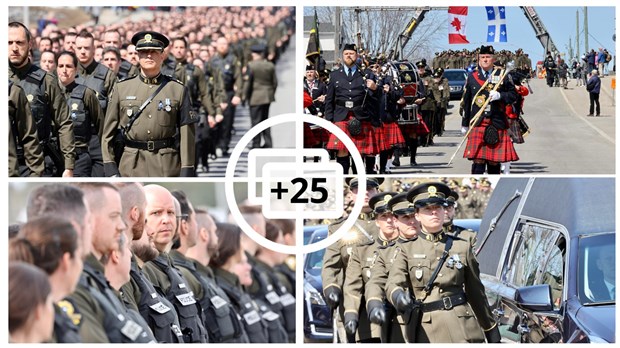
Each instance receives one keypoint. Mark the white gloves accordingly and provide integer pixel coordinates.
(494, 95)
(464, 130)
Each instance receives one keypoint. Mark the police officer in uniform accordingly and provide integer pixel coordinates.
(85, 111)
(453, 307)
(260, 92)
(428, 107)
(481, 86)
(23, 135)
(360, 270)
(149, 133)
(47, 105)
(112, 38)
(336, 257)
(450, 227)
(351, 103)
(442, 98)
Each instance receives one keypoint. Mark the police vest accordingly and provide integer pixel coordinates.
(118, 325)
(220, 318)
(275, 295)
(252, 321)
(124, 69)
(227, 66)
(34, 87)
(96, 82)
(184, 302)
(273, 322)
(159, 313)
(19, 147)
(65, 331)
(79, 114)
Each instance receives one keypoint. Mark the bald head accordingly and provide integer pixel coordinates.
(160, 215)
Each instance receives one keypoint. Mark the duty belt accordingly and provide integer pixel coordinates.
(349, 104)
(151, 145)
(446, 303)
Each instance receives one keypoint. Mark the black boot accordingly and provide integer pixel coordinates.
(396, 159)
(477, 168)
(353, 166)
(383, 158)
(344, 162)
(494, 168)
(370, 165)
(413, 150)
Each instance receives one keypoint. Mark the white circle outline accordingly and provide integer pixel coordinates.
(230, 181)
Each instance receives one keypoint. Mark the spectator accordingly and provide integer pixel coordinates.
(594, 88)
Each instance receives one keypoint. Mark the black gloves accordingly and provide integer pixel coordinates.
(401, 300)
(350, 326)
(377, 315)
(493, 335)
(332, 296)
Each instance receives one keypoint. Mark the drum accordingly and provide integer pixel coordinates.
(407, 76)
(409, 115)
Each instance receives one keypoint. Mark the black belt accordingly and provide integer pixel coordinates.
(349, 104)
(151, 145)
(446, 303)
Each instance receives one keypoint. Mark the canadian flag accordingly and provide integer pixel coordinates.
(457, 21)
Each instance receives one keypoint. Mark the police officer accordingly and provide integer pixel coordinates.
(488, 143)
(450, 227)
(112, 38)
(85, 111)
(336, 257)
(147, 111)
(260, 92)
(23, 135)
(442, 273)
(428, 107)
(47, 105)
(361, 268)
(351, 103)
(442, 100)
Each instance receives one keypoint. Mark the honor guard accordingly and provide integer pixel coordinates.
(260, 90)
(450, 227)
(442, 99)
(428, 107)
(442, 274)
(145, 115)
(486, 95)
(336, 257)
(23, 142)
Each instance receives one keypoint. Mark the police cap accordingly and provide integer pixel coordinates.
(452, 198)
(257, 48)
(486, 50)
(370, 182)
(379, 202)
(429, 193)
(420, 64)
(438, 73)
(149, 40)
(350, 47)
(400, 205)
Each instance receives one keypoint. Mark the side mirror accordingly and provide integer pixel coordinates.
(536, 298)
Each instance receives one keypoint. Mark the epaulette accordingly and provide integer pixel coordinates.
(127, 78)
(72, 312)
(449, 235)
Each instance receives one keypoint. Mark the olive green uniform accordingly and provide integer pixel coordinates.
(23, 130)
(150, 146)
(457, 231)
(91, 103)
(413, 268)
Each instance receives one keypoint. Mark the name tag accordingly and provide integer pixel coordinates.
(287, 299)
(176, 330)
(131, 330)
(186, 299)
(251, 317)
(160, 308)
(419, 256)
(218, 302)
(272, 297)
(131, 97)
(270, 316)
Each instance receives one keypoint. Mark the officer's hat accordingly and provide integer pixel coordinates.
(309, 67)
(463, 188)
(149, 40)
(257, 48)
(429, 193)
(400, 205)
(486, 49)
(420, 64)
(370, 182)
(438, 73)
(350, 47)
(485, 183)
(379, 202)
(452, 198)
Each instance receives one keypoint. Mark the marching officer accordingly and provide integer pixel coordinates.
(336, 257)
(450, 227)
(442, 273)
(143, 117)
(260, 92)
(23, 135)
(442, 99)
(350, 103)
(428, 107)
(486, 95)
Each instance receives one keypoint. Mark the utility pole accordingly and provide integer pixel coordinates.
(358, 28)
(577, 36)
(585, 28)
(337, 33)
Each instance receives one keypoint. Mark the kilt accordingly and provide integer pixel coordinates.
(415, 130)
(477, 149)
(366, 142)
(389, 135)
(309, 139)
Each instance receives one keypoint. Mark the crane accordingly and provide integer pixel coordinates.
(405, 36)
(539, 28)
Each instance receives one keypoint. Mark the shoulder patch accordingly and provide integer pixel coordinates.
(126, 78)
(67, 307)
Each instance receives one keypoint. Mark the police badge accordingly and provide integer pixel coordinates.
(480, 99)
(418, 274)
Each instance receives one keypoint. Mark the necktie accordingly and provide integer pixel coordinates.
(349, 72)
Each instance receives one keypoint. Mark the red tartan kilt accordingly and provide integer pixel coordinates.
(503, 151)
(321, 134)
(309, 139)
(366, 142)
(415, 130)
(389, 135)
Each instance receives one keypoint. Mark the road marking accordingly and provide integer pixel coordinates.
(584, 119)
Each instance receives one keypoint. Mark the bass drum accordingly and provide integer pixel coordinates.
(407, 76)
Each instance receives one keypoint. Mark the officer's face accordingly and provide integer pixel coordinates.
(150, 61)
(370, 191)
(385, 222)
(192, 228)
(84, 50)
(112, 39)
(212, 243)
(132, 55)
(349, 57)
(242, 269)
(47, 61)
(178, 50)
(18, 46)
(66, 69)
(486, 61)
(110, 60)
(450, 211)
(45, 45)
(108, 222)
(69, 43)
(161, 217)
(431, 217)
(407, 225)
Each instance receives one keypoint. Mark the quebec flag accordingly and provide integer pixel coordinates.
(496, 16)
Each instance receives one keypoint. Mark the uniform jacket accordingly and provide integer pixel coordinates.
(318, 89)
(262, 82)
(23, 132)
(343, 88)
(473, 101)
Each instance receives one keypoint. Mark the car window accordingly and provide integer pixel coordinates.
(537, 258)
(314, 262)
(597, 269)
(456, 75)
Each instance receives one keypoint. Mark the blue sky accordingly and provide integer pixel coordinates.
(559, 21)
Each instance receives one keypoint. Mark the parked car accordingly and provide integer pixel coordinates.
(318, 325)
(546, 249)
(471, 224)
(309, 230)
(456, 80)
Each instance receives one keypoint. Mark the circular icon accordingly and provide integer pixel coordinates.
(230, 181)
